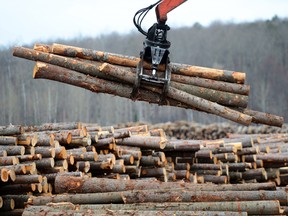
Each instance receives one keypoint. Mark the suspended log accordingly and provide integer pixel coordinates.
(129, 61)
(221, 97)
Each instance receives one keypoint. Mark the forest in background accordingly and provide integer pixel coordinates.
(260, 49)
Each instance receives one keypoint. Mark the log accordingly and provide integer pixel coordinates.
(9, 160)
(212, 84)
(4, 175)
(220, 97)
(8, 204)
(45, 163)
(53, 126)
(89, 198)
(195, 71)
(60, 153)
(251, 207)
(44, 139)
(27, 158)
(264, 118)
(17, 188)
(3, 153)
(8, 140)
(93, 84)
(215, 179)
(19, 169)
(28, 179)
(64, 184)
(46, 152)
(49, 211)
(171, 195)
(13, 150)
(183, 145)
(83, 166)
(11, 130)
(144, 142)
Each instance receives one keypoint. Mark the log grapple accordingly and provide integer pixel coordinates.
(156, 48)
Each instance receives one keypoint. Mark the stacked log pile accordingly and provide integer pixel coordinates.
(120, 167)
(193, 130)
(218, 92)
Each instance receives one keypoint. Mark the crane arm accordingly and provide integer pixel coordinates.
(165, 7)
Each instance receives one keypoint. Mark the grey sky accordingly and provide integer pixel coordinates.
(27, 21)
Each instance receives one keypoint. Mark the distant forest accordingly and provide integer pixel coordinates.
(260, 49)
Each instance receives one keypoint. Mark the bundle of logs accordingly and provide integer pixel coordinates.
(83, 168)
(219, 92)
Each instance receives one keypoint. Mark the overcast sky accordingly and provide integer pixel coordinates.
(28, 21)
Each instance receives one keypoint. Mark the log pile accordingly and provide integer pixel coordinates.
(192, 130)
(139, 170)
(218, 92)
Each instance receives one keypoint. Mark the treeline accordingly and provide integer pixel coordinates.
(260, 49)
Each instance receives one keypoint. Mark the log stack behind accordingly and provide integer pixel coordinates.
(125, 165)
(218, 92)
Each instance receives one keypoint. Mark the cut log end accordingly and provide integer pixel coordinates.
(38, 67)
(4, 175)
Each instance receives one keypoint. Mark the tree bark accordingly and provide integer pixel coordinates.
(49, 211)
(171, 195)
(64, 184)
(251, 207)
